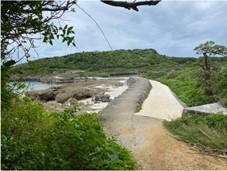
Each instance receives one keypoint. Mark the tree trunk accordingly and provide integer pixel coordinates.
(207, 76)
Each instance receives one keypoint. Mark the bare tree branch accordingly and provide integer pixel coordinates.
(131, 5)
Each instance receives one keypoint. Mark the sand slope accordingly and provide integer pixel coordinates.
(161, 103)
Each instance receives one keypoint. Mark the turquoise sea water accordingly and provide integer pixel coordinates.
(36, 85)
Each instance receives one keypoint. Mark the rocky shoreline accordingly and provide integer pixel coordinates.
(90, 94)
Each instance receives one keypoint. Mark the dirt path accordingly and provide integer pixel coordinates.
(152, 146)
(165, 152)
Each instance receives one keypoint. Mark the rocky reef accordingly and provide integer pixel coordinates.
(77, 93)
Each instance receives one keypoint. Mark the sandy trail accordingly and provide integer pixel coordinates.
(161, 103)
(163, 152)
(142, 133)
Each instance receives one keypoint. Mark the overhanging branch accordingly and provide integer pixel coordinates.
(131, 5)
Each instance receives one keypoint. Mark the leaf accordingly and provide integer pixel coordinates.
(9, 63)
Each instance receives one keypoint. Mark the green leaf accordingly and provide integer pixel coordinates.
(9, 63)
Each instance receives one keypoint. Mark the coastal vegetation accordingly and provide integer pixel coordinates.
(208, 133)
(48, 132)
(183, 75)
(32, 138)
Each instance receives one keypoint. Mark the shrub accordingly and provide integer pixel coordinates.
(219, 85)
(187, 86)
(34, 139)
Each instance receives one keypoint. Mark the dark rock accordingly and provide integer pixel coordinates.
(98, 97)
(73, 101)
(78, 93)
(105, 98)
(102, 97)
(43, 95)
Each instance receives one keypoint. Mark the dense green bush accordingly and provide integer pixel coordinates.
(206, 132)
(187, 86)
(34, 139)
(219, 84)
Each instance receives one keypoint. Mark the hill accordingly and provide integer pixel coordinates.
(183, 75)
(146, 61)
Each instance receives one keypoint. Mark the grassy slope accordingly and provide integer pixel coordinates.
(180, 74)
(206, 132)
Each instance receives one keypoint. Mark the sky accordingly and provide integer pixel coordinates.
(173, 28)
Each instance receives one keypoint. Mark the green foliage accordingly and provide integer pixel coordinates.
(34, 139)
(182, 75)
(206, 132)
(6, 94)
(219, 84)
(187, 86)
(21, 20)
(213, 79)
(125, 61)
(211, 49)
(19, 124)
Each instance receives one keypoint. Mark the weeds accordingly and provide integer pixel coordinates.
(206, 132)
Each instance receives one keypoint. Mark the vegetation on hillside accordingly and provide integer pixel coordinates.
(188, 83)
(209, 133)
(183, 75)
(143, 61)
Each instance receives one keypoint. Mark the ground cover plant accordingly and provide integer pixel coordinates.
(33, 139)
(209, 133)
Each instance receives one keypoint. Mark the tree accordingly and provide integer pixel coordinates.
(21, 23)
(209, 49)
(24, 21)
(131, 5)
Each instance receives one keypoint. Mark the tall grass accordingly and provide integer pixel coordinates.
(206, 132)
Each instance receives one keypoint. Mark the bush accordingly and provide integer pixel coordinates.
(34, 139)
(187, 86)
(219, 85)
(206, 132)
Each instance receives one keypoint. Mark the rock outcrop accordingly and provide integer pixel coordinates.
(44, 95)
(79, 93)
(213, 108)
(102, 98)
(63, 94)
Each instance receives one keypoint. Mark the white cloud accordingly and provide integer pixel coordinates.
(173, 28)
